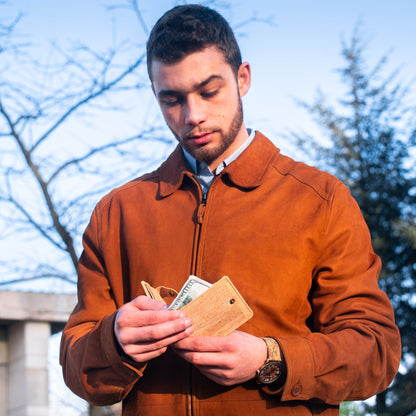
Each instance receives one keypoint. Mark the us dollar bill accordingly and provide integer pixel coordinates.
(192, 288)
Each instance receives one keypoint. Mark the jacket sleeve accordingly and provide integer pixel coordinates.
(353, 350)
(93, 367)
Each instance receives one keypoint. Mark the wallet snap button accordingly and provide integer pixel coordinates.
(232, 301)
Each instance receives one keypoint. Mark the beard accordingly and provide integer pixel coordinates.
(207, 153)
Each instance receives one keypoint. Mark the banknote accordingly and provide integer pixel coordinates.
(192, 288)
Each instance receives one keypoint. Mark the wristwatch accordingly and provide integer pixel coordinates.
(273, 371)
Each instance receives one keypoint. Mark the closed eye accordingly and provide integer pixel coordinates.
(209, 94)
(171, 101)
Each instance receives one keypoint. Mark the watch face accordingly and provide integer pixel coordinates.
(270, 372)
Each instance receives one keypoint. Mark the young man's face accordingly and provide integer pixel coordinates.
(200, 98)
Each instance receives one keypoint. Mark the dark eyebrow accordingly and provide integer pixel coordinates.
(207, 81)
(170, 93)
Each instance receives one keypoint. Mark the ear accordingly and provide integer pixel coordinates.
(244, 78)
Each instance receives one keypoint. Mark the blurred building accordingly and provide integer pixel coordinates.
(27, 320)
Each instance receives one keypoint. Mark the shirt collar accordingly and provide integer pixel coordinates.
(247, 171)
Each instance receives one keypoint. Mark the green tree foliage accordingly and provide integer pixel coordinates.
(371, 135)
(352, 409)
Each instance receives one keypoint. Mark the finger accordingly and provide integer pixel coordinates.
(206, 359)
(203, 344)
(161, 331)
(144, 357)
(156, 347)
(152, 334)
(130, 316)
(152, 317)
(145, 303)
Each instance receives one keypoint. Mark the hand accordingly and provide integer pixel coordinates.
(144, 328)
(228, 360)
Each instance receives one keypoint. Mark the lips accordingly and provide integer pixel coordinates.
(199, 139)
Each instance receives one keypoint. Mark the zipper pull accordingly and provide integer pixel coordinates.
(201, 208)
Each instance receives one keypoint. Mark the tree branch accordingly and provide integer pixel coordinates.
(66, 237)
(91, 96)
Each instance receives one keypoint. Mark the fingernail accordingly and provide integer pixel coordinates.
(189, 330)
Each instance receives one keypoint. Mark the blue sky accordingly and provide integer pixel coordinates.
(291, 58)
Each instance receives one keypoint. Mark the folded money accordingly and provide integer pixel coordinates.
(192, 288)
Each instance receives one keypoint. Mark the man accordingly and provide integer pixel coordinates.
(226, 202)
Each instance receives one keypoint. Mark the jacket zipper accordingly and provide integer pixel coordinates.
(194, 268)
(199, 220)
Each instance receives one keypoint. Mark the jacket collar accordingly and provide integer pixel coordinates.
(247, 171)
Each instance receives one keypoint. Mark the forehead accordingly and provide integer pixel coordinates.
(193, 70)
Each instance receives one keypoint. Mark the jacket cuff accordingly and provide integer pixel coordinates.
(300, 368)
(121, 363)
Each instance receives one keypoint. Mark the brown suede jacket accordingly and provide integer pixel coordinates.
(294, 243)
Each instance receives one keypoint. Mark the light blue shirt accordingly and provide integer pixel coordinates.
(203, 172)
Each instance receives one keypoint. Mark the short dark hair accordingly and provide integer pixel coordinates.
(191, 28)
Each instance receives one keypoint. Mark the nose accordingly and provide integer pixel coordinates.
(195, 112)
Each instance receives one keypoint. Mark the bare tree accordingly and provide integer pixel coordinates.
(56, 159)
(50, 175)
(58, 154)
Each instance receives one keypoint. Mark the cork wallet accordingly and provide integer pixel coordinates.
(218, 311)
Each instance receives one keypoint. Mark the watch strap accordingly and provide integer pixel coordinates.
(273, 349)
